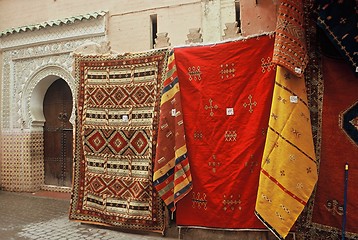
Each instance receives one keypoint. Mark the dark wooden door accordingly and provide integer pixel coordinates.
(58, 134)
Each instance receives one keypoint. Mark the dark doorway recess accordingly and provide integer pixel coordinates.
(58, 134)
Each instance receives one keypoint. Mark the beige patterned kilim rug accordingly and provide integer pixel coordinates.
(116, 127)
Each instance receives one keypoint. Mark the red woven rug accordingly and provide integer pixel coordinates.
(116, 127)
(226, 94)
(339, 136)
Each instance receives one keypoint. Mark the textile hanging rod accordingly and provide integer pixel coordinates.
(345, 202)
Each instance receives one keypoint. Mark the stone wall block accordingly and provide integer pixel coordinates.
(231, 31)
(162, 40)
(194, 36)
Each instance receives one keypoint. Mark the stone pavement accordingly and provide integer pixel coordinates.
(32, 216)
(44, 215)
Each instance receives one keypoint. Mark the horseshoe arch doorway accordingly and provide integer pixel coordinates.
(58, 159)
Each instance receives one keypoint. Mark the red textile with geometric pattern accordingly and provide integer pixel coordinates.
(340, 99)
(172, 178)
(116, 126)
(290, 46)
(226, 94)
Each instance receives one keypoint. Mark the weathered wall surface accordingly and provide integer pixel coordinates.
(258, 16)
(129, 24)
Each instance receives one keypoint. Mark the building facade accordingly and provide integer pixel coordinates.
(37, 42)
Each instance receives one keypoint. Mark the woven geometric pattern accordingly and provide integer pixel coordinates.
(122, 142)
(172, 177)
(325, 215)
(226, 91)
(349, 122)
(339, 21)
(288, 169)
(290, 45)
(117, 117)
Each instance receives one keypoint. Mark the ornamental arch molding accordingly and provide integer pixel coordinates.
(36, 89)
(32, 54)
(32, 58)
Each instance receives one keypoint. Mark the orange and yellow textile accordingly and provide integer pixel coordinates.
(288, 170)
(290, 46)
(172, 178)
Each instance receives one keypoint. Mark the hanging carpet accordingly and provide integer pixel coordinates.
(339, 144)
(290, 49)
(172, 177)
(226, 92)
(339, 22)
(288, 168)
(116, 127)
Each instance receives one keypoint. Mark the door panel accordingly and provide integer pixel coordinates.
(58, 134)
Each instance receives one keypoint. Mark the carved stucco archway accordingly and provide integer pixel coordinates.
(34, 93)
(32, 61)
(33, 118)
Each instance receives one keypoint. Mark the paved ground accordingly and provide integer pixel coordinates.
(40, 216)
